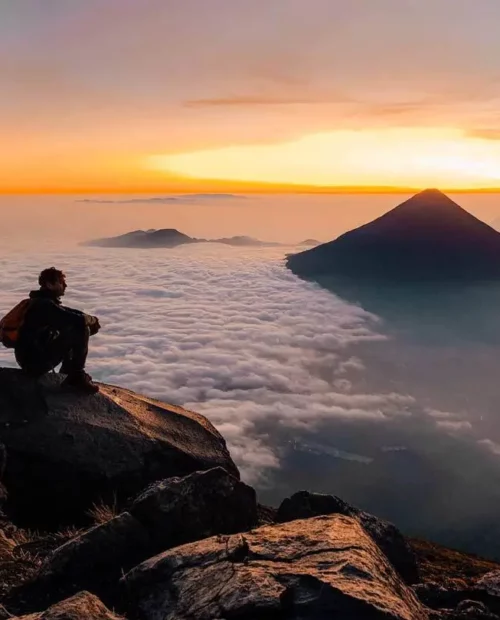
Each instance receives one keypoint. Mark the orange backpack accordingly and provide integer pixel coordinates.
(11, 324)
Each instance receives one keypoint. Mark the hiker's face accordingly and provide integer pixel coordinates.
(59, 286)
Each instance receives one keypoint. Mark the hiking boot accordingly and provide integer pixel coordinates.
(82, 382)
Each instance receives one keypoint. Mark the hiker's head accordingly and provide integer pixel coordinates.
(53, 280)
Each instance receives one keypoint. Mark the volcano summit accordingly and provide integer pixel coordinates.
(426, 238)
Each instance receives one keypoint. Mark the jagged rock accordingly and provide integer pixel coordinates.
(180, 510)
(168, 513)
(490, 583)
(303, 504)
(66, 450)
(325, 567)
(82, 606)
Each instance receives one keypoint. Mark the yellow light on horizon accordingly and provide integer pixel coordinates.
(445, 157)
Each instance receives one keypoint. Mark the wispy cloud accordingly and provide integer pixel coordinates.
(181, 198)
(247, 101)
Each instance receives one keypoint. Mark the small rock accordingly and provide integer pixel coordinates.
(82, 606)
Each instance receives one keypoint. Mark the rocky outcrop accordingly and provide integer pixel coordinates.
(316, 568)
(65, 451)
(82, 606)
(167, 514)
(304, 504)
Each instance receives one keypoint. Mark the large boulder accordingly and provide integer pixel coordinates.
(303, 504)
(326, 567)
(168, 513)
(65, 451)
(180, 510)
(82, 606)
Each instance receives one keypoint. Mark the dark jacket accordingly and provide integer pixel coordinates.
(45, 317)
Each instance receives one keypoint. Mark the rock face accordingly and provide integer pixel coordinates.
(303, 505)
(65, 451)
(320, 568)
(427, 238)
(82, 606)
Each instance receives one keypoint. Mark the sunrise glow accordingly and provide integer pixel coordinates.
(388, 157)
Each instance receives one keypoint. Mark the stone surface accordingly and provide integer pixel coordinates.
(65, 451)
(321, 568)
(303, 504)
(180, 510)
(82, 606)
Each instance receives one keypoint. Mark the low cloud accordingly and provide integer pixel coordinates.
(178, 199)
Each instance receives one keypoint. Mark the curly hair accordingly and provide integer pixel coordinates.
(50, 276)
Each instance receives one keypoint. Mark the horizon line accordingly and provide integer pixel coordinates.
(245, 189)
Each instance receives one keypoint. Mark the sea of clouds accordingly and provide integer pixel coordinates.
(230, 333)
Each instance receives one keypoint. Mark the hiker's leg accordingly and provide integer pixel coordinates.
(74, 347)
(36, 360)
(74, 363)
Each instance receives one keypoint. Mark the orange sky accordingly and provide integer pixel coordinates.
(120, 96)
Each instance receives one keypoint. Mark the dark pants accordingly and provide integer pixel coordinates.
(47, 351)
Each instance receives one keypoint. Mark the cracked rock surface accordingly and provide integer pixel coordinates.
(325, 567)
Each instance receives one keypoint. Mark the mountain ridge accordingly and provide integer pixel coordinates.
(170, 238)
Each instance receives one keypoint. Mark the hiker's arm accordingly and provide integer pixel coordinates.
(61, 318)
(92, 322)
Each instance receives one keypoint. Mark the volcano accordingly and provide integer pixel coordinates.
(426, 238)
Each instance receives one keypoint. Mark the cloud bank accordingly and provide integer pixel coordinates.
(178, 199)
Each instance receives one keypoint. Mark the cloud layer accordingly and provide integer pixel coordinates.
(239, 339)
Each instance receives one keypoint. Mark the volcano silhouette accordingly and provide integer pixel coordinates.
(426, 238)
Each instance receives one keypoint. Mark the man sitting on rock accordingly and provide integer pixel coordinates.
(52, 333)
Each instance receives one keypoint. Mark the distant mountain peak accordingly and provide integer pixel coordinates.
(427, 237)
